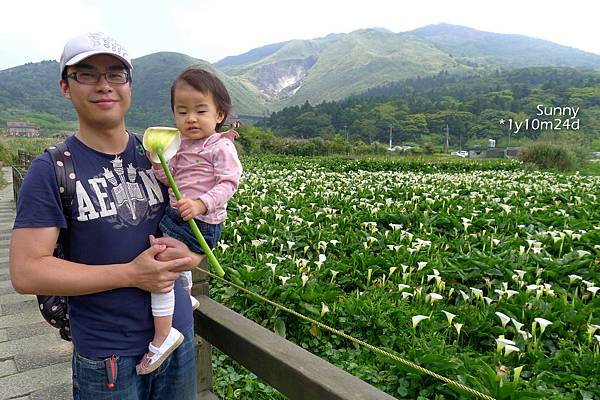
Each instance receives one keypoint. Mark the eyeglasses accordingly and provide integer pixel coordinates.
(92, 77)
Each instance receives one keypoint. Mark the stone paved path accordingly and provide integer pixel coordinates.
(34, 362)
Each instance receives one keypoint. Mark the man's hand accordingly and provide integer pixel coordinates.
(155, 275)
(174, 250)
(189, 209)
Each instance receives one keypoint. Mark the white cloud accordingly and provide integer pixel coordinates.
(35, 29)
(220, 28)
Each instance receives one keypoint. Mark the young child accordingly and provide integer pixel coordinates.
(207, 171)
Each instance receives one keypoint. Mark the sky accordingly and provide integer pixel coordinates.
(36, 30)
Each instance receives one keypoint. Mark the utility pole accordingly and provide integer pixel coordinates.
(347, 141)
(446, 144)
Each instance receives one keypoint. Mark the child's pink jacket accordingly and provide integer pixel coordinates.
(206, 169)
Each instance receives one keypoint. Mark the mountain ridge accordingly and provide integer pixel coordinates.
(328, 68)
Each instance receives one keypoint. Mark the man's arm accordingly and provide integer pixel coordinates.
(34, 270)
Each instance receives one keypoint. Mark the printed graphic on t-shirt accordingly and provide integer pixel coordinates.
(117, 195)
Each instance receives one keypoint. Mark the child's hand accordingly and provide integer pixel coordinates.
(189, 208)
(154, 165)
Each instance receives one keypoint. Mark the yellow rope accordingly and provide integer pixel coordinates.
(354, 340)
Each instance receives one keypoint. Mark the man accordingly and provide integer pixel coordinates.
(112, 266)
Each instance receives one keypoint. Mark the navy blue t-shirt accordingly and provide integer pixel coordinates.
(118, 203)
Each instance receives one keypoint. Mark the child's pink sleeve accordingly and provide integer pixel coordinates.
(160, 173)
(228, 171)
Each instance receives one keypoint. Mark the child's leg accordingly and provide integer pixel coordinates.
(186, 280)
(166, 338)
(163, 306)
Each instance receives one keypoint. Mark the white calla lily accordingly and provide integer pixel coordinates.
(324, 309)
(161, 139)
(517, 324)
(449, 316)
(526, 335)
(573, 278)
(517, 374)
(509, 348)
(418, 318)
(458, 327)
(593, 289)
(543, 323)
(501, 342)
(304, 279)
(434, 297)
(504, 319)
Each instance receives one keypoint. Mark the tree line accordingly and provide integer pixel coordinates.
(418, 111)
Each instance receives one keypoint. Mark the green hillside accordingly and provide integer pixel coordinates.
(471, 107)
(279, 75)
(153, 76)
(30, 92)
(336, 66)
(340, 65)
(370, 58)
(250, 56)
(494, 49)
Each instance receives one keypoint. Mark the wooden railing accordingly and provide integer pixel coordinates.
(285, 366)
(19, 170)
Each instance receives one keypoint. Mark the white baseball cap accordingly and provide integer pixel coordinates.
(89, 44)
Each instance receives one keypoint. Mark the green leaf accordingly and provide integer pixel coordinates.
(280, 327)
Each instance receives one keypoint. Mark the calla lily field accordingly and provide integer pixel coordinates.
(484, 272)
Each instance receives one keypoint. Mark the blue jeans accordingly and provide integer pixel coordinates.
(174, 226)
(175, 379)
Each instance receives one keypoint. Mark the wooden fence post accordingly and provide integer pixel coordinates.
(203, 348)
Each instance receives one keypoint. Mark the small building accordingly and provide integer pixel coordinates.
(400, 148)
(22, 129)
(493, 152)
(233, 121)
(61, 135)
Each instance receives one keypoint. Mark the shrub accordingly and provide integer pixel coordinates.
(553, 155)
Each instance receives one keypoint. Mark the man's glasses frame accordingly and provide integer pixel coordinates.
(93, 77)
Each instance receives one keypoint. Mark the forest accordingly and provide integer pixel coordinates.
(418, 111)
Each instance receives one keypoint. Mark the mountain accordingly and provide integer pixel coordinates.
(152, 78)
(251, 56)
(33, 89)
(494, 49)
(281, 74)
(339, 65)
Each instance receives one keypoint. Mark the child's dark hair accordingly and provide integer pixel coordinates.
(206, 83)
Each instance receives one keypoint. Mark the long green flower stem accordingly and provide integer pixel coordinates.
(211, 257)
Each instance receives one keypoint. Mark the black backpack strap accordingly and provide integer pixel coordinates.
(54, 309)
(139, 143)
(138, 136)
(65, 179)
